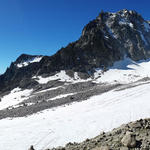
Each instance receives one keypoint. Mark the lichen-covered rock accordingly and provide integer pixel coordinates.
(101, 148)
(124, 148)
(129, 140)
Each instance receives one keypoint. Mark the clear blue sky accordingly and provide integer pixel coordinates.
(44, 26)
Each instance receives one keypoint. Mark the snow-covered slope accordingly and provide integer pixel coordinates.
(77, 121)
(124, 71)
(15, 97)
(61, 76)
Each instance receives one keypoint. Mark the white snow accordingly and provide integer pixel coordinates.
(124, 71)
(113, 15)
(131, 25)
(49, 89)
(80, 120)
(26, 63)
(125, 22)
(14, 97)
(76, 77)
(61, 76)
(61, 96)
(76, 122)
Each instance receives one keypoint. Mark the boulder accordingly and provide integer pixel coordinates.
(124, 148)
(129, 140)
(101, 148)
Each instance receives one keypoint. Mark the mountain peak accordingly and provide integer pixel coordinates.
(124, 13)
(25, 57)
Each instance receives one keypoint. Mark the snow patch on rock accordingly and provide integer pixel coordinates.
(26, 63)
(125, 22)
(61, 76)
(15, 97)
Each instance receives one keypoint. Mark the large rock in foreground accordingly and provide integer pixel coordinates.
(129, 140)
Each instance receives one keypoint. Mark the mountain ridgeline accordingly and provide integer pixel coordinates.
(108, 38)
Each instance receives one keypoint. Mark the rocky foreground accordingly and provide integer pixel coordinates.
(132, 136)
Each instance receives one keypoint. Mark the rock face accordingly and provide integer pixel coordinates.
(24, 57)
(132, 136)
(108, 38)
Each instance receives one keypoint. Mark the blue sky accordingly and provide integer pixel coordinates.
(44, 26)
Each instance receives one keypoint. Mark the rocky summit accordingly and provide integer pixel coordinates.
(108, 38)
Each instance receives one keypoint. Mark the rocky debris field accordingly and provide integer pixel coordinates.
(44, 98)
(56, 93)
(132, 136)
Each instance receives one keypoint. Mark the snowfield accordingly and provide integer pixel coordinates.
(61, 76)
(77, 121)
(26, 63)
(15, 97)
(124, 72)
(80, 120)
